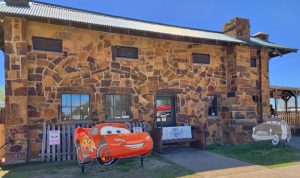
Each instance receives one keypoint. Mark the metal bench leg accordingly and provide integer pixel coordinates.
(82, 169)
(142, 160)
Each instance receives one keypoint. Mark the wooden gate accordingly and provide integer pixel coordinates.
(66, 149)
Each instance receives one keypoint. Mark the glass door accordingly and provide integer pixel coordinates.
(165, 111)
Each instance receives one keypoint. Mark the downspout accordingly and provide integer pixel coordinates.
(260, 120)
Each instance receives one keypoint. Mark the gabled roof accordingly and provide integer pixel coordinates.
(55, 12)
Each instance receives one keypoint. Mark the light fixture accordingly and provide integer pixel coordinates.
(79, 67)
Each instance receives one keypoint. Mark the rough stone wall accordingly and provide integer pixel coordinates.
(242, 87)
(164, 67)
(264, 56)
(15, 47)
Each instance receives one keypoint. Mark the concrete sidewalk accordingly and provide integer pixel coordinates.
(210, 165)
(295, 142)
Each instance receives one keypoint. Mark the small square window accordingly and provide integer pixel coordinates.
(201, 58)
(253, 62)
(117, 107)
(75, 107)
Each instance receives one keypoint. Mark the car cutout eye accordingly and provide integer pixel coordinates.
(113, 130)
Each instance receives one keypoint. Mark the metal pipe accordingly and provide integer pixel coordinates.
(260, 120)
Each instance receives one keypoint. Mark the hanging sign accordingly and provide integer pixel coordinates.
(54, 137)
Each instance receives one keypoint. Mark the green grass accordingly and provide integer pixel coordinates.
(154, 166)
(261, 153)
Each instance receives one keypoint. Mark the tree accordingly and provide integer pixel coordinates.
(2, 96)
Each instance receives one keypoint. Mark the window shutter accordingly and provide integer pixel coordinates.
(201, 58)
(114, 52)
(253, 62)
(126, 52)
(47, 44)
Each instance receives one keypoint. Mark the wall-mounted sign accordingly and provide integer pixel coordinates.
(54, 137)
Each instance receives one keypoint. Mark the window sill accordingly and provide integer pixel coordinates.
(86, 121)
(47, 52)
(126, 59)
(118, 120)
(214, 117)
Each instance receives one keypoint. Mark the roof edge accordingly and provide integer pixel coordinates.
(127, 18)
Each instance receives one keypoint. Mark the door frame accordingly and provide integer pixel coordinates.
(174, 110)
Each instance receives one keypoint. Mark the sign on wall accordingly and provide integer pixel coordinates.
(54, 137)
(178, 132)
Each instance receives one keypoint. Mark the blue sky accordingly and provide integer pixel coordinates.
(280, 19)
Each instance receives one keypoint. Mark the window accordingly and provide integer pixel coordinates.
(201, 58)
(253, 62)
(47, 44)
(75, 107)
(125, 52)
(213, 106)
(117, 107)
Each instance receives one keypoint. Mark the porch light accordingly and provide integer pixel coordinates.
(79, 67)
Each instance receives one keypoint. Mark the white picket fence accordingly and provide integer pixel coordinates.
(66, 149)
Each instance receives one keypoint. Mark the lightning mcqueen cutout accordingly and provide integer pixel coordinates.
(108, 142)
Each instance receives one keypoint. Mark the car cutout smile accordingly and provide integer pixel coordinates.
(135, 146)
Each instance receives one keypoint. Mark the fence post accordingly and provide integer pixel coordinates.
(44, 142)
(48, 146)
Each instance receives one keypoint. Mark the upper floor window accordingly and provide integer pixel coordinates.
(201, 58)
(46, 44)
(117, 107)
(213, 106)
(125, 52)
(253, 62)
(75, 107)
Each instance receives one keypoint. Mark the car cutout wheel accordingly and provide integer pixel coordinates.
(275, 140)
(103, 156)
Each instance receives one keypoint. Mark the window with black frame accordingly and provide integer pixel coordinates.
(117, 107)
(75, 107)
(213, 107)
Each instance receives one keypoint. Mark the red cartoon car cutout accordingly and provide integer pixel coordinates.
(108, 142)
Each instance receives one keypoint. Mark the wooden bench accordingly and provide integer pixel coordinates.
(196, 140)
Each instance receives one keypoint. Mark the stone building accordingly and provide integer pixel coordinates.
(65, 65)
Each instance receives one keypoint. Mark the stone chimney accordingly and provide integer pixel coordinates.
(17, 2)
(261, 36)
(238, 28)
